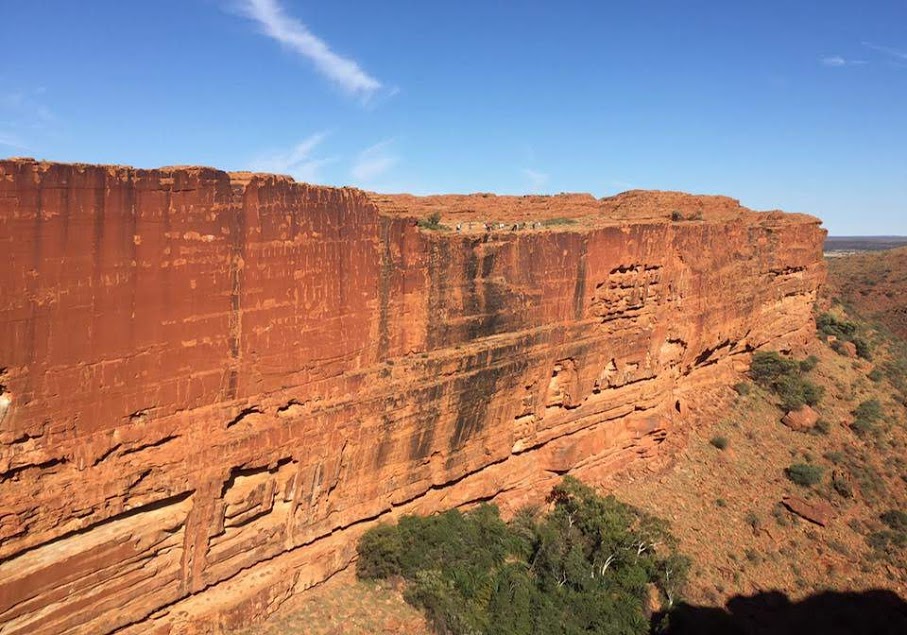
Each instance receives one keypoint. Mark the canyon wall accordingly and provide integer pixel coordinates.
(212, 383)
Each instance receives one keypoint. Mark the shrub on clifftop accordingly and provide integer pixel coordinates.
(432, 222)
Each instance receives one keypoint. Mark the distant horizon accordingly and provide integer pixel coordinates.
(866, 237)
(776, 104)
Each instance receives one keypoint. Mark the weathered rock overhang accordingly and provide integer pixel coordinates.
(210, 384)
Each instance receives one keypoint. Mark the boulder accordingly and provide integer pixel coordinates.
(818, 512)
(801, 420)
(849, 348)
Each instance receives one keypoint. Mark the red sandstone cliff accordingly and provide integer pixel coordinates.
(210, 384)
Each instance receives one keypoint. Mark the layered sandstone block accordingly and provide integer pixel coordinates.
(212, 383)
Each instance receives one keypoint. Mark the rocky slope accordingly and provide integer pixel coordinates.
(874, 283)
(213, 382)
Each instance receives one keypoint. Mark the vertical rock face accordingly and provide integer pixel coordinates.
(210, 384)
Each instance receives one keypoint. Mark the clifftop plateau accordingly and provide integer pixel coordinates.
(212, 383)
(585, 209)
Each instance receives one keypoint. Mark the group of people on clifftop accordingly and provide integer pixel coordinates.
(490, 227)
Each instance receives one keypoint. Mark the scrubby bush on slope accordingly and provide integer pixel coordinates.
(804, 474)
(784, 377)
(843, 331)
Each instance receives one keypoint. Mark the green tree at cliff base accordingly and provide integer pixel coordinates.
(591, 564)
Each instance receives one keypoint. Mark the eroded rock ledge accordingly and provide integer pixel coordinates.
(210, 384)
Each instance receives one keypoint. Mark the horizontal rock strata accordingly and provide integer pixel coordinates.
(212, 383)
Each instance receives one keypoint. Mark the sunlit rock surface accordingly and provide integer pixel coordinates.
(212, 383)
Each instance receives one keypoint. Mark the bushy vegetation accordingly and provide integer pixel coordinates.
(805, 474)
(865, 417)
(742, 388)
(895, 370)
(561, 220)
(895, 519)
(784, 377)
(719, 442)
(807, 365)
(830, 326)
(857, 464)
(843, 331)
(822, 427)
(891, 541)
(841, 485)
(432, 222)
(887, 542)
(583, 567)
(678, 216)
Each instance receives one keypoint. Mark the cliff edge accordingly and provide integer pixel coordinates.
(212, 383)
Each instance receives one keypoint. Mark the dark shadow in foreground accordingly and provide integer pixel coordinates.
(874, 612)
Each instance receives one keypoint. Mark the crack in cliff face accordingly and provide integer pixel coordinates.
(153, 444)
(246, 414)
(579, 289)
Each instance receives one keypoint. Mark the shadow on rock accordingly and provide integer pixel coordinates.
(874, 612)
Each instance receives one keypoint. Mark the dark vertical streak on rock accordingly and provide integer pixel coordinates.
(387, 440)
(97, 290)
(129, 237)
(237, 253)
(384, 282)
(438, 266)
(32, 285)
(342, 250)
(483, 301)
(476, 392)
(494, 300)
(471, 306)
(579, 290)
(421, 442)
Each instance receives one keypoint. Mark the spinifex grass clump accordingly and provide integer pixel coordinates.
(866, 416)
(583, 567)
(805, 474)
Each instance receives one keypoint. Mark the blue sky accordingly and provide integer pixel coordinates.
(794, 105)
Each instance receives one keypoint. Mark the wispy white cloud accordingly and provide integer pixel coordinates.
(292, 33)
(537, 180)
(10, 140)
(374, 162)
(23, 116)
(836, 61)
(898, 54)
(298, 161)
(895, 57)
